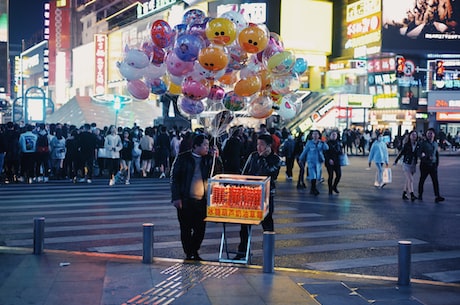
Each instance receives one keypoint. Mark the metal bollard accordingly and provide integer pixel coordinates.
(147, 248)
(269, 251)
(404, 262)
(39, 235)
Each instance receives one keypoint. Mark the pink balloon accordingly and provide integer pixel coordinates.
(195, 90)
(216, 93)
(177, 67)
(138, 89)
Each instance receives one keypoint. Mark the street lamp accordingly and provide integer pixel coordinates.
(116, 106)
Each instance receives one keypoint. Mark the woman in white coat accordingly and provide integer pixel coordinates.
(113, 145)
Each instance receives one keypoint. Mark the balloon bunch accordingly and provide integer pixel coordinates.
(223, 63)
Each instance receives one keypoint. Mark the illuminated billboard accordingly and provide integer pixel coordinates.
(422, 25)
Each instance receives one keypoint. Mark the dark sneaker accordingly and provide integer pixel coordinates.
(439, 199)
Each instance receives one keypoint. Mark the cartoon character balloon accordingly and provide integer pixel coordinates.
(213, 58)
(221, 31)
(188, 46)
(195, 90)
(237, 18)
(161, 34)
(253, 39)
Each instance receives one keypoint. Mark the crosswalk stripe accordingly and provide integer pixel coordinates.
(380, 261)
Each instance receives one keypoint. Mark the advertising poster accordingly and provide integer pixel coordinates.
(421, 25)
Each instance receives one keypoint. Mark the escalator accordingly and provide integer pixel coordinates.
(314, 106)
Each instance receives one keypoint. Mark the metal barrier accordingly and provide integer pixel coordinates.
(404, 262)
(147, 248)
(39, 235)
(269, 251)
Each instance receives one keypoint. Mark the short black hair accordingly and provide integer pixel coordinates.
(198, 139)
(266, 138)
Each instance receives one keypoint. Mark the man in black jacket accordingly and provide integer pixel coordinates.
(86, 153)
(263, 162)
(429, 160)
(189, 174)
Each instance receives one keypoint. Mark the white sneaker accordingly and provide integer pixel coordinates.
(112, 182)
(127, 182)
(89, 181)
(45, 179)
(162, 175)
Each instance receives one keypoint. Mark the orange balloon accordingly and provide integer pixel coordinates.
(212, 58)
(228, 78)
(248, 86)
(253, 39)
(265, 79)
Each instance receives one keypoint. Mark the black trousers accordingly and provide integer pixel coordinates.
(331, 169)
(192, 225)
(267, 225)
(432, 171)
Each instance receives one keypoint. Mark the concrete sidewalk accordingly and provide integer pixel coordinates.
(61, 277)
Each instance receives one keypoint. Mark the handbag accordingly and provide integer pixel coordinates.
(343, 158)
(387, 177)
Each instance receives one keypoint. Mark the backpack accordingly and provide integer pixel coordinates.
(42, 144)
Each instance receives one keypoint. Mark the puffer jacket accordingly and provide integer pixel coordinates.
(257, 165)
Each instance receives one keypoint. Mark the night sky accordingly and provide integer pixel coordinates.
(25, 20)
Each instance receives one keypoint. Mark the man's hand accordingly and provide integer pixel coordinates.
(177, 203)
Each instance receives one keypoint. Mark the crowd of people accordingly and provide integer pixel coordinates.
(37, 153)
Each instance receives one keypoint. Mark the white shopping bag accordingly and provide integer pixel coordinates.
(387, 177)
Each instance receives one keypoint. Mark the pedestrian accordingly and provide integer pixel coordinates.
(409, 157)
(12, 152)
(428, 153)
(42, 155)
(289, 154)
(163, 150)
(126, 156)
(233, 152)
(379, 155)
(189, 174)
(262, 162)
(299, 145)
(313, 156)
(87, 152)
(113, 147)
(27, 145)
(332, 162)
(58, 152)
(147, 145)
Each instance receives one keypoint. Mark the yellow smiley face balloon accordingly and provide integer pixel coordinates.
(221, 31)
(253, 39)
(212, 58)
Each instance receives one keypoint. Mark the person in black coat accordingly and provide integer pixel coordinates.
(428, 152)
(233, 152)
(332, 162)
(408, 153)
(189, 174)
(263, 162)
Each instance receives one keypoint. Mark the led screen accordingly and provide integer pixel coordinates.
(421, 25)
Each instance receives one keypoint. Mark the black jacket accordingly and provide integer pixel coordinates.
(409, 156)
(263, 166)
(333, 153)
(182, 172)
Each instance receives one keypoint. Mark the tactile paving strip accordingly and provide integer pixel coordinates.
(183, 278)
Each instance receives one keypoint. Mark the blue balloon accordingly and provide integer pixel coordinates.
(158, 86)
(300, 65)
(187, 47)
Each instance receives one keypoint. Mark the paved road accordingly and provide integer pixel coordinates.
(356, 231)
